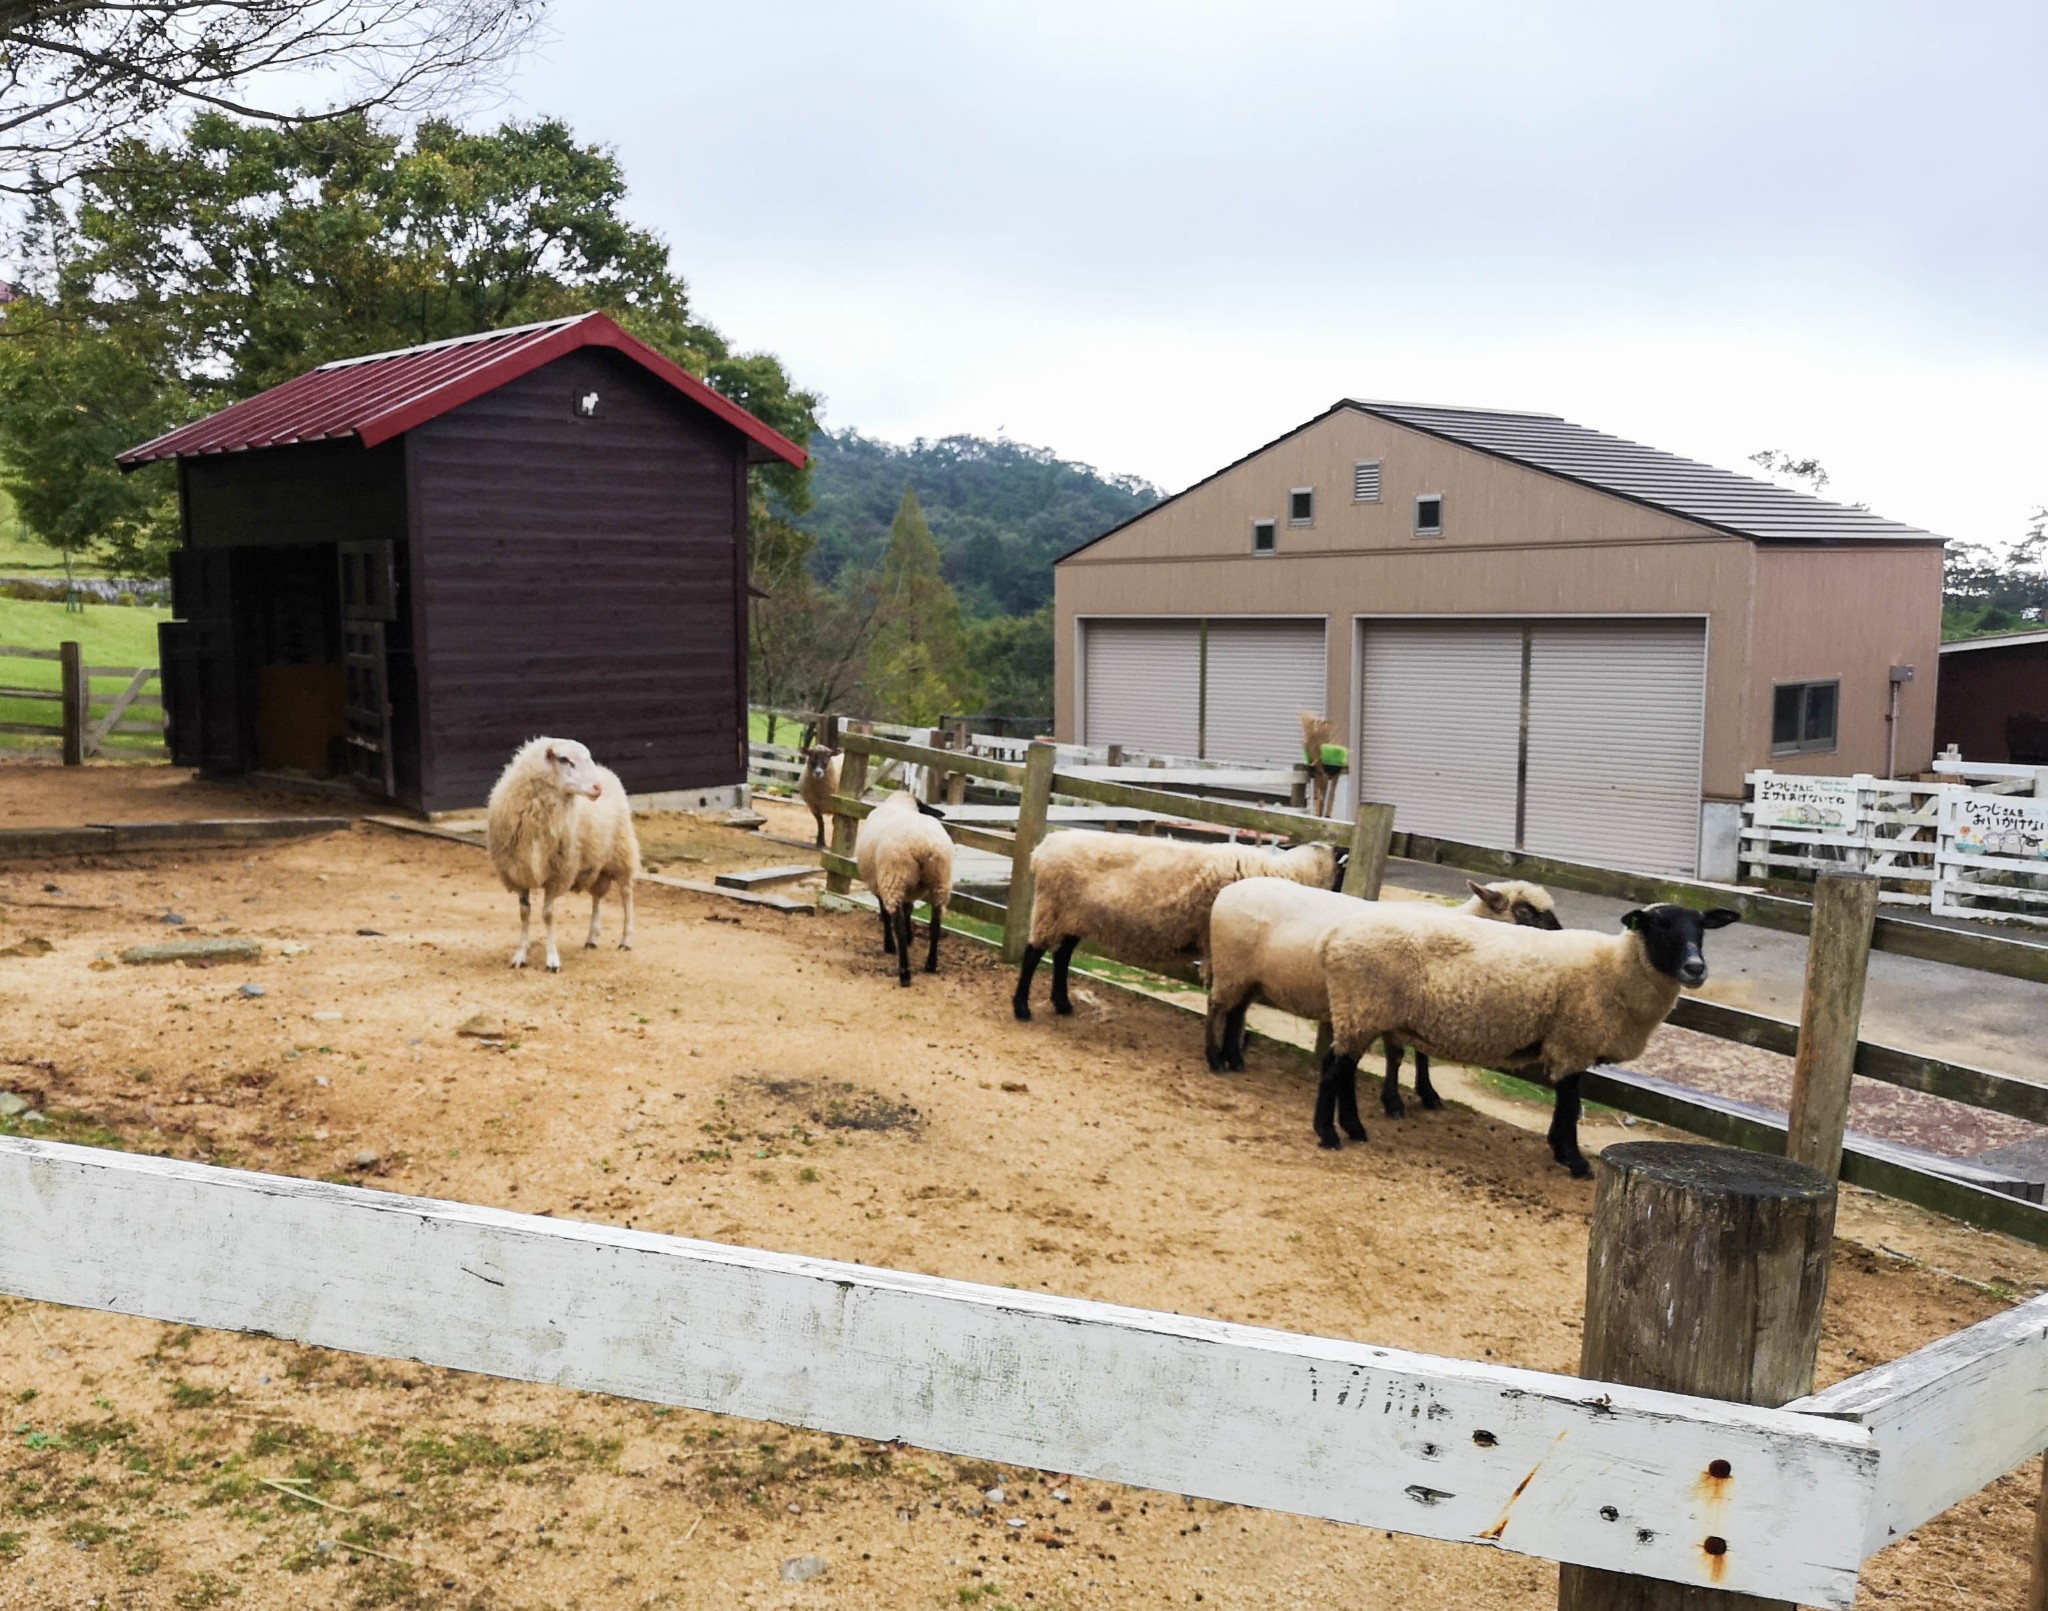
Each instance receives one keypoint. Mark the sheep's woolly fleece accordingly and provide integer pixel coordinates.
(904, 855)
(1148, 900)
(543, 837)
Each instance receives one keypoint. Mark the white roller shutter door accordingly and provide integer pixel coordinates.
(1142, 684)
(1440, 726)
(1262, 676)
(1615, 717)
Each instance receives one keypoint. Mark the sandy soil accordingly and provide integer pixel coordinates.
(755, 1077)
(38, 793)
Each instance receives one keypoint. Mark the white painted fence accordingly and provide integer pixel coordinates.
(1538, 1464)
(1972, 848)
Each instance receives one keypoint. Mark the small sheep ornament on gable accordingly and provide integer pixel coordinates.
(559, 823)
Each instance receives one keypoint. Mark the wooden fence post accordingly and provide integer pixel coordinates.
(1830, 1015)
(1705, 1274)
(853, 783)
(1039, 760)
(936, 777)
(74, 703)
(1372, 834)
(963, 740)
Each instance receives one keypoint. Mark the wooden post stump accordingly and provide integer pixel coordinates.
(1830, 1017)
(853, 783)
(72, 665)
(1705, 1274)
(956, 782)
(1031, 814)
(1372, 833)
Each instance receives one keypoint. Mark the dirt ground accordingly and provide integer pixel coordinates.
(756, 1077)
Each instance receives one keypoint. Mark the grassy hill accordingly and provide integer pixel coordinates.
(108, 635)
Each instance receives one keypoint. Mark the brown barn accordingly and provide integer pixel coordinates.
(398, 567)
(1993, 703)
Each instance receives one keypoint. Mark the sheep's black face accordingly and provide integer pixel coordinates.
(1343, 861)
(1672, 937)
(1528, 916)
(821, 761)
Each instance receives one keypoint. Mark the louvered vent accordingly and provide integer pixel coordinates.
(1365, 481)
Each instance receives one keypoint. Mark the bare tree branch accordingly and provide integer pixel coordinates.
(76, 76)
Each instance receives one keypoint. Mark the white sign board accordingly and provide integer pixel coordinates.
(1999, 825)
(1826, 804)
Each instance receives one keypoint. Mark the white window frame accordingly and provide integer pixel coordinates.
(1379, 467)
(1272, 548)
(1802, 745)
(1422, 498)
(1301, 492)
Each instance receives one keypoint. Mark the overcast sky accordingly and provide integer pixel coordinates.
(1154, 235)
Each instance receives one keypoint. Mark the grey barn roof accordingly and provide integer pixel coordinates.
(1738, 504)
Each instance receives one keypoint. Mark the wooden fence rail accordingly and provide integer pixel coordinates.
(1593, 1473)
(80, 733)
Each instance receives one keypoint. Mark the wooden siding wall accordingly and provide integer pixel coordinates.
(582, 578)
(1980, 689)
(319, 492)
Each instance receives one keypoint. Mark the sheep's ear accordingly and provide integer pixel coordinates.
(1719, 918)
(1496, 899)
(1632, 920)
(931, 811)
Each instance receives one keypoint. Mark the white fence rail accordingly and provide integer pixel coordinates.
(1963, 849)
(1550, 1466)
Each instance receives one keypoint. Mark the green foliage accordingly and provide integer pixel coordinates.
(917, 667)
(1984, 591)
(207, 267)
(1012, 657)
(1000, 512)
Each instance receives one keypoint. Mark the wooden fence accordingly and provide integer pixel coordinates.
(84, 719)
(1787, 1502)
(1976, 848)
(1958, 1193)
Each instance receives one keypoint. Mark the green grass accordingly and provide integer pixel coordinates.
(108, 635)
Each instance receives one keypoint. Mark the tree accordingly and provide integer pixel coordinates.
(1985, 591)
(1806, 474)
(1012, 657)
(78, 77)
(917, 667)
(239, 255)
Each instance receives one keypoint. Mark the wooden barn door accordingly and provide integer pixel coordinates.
(368, 602)
(197, 655)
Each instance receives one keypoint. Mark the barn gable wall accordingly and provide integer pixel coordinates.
(579, 577)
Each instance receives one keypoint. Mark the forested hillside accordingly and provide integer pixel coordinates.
(1000, 512)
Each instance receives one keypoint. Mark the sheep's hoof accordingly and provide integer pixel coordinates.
(1433, 1102)
(554, 965)
(1394, 1107)
(1064, 1008)
(1581, 1170)
(1355, 1131)
(590, 945)
(519, 962)
(904, 980)
(931, 967)
(1329, 1143)
(625, 945)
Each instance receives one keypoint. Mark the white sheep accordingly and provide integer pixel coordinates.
(560, 822)
(820, 782)
(1549, 1006)
(1143, 900)
(1265, 941)
(904, 856)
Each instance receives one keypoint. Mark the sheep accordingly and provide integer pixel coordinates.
(1141, 899)
(560, 822)
(1264, 940)
(820, 783)
(1510, 901)
(904, 856)
(1549, 1005)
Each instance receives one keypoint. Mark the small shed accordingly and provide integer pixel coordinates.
(1993, 701)
(396, 568)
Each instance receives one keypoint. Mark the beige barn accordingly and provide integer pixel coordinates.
(1534, 634)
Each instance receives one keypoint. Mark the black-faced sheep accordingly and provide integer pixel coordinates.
(904, 856)
(1549, 1006)
(1265, 940)
(560, 822)
(1143, 900)
(820, 782)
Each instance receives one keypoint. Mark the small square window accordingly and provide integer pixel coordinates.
(1301, 506)
(1262, 537)
(1805, 716)
(1429, 515)
(1365, 481)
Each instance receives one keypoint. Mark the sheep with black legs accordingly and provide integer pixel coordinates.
(559, 822)
(1265, 942)
(1548, 1006)
(904, 856)
(1143, 900)
(820, 782)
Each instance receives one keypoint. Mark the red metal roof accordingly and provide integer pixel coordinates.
(386, 394)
